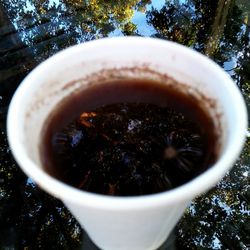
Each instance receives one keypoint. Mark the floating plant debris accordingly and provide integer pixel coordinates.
(131, 148)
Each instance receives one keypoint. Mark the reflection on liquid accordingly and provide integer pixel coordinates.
(31, 31)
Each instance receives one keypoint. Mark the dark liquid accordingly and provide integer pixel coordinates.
(128, 137)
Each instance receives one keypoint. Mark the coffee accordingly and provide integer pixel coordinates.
(128, 137)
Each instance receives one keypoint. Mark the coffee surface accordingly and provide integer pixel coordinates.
(128, 137)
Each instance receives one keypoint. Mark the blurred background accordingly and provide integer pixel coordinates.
(33, 30)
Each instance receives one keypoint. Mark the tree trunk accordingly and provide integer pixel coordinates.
(217, 28)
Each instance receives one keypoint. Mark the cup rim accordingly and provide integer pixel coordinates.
(185, 192)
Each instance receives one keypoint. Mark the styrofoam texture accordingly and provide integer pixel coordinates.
(45, 86)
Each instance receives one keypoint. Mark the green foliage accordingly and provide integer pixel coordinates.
(222, 214)
(99, 14)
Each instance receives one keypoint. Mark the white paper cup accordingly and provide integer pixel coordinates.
(142, 222)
